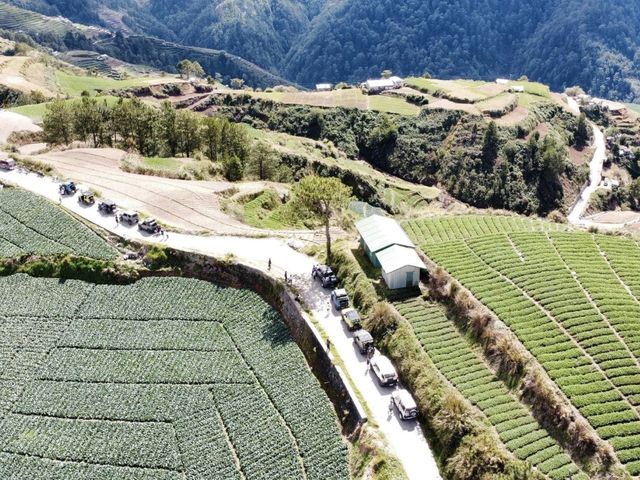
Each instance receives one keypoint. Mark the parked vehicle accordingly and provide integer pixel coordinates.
(339, 298)
(68, 188)
(7, 164)
(108, 207)
(405, 404)
(325, 275)
(384, 370)
(129, 217)
(149, 225)
(87, 197)
(364, 341)
(351, 318)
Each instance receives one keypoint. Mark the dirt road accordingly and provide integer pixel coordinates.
(186, 204)
(405, 439)
(13, 122)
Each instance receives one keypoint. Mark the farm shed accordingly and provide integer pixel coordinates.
(382, 84)
(400, 266)
(377, 233)
(324, 87)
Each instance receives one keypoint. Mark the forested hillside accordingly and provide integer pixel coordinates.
(566, 42)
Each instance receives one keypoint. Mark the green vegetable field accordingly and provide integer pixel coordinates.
(573, 300)
(445, 228)
(30, 224)
(466, 370)
(167, 378)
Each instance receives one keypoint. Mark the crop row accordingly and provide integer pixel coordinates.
(552, 338)
(623, 255)
(31, 224)
(18, 466)
(159, 362)
(445, 228)
(143, 444)
(457, 361)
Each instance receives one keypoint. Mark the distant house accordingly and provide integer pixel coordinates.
(502, 81)
(382, 84)
(516, 89)
(324, 87)
(389, 248)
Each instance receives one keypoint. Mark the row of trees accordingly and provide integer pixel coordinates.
(165, 131)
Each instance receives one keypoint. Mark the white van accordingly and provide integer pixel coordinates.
(384, 370)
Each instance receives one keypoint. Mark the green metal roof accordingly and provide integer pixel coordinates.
(381, 232)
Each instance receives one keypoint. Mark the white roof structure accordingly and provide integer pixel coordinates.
(380, 232)
(380, 83)
(323, 86)
(397, 257)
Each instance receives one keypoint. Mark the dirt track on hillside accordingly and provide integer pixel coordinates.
(186, 204)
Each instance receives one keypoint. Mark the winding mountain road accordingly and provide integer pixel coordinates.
(405, 439)
(576, 214)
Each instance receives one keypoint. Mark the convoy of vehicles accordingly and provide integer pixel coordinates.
(149, 225)
(129, 217)
(108, 207)
(325, 275)
(384, 370)
(351, 318)
(339, 298)
(87, 197)
(7, 163)
(405, 404)
(364, 341)
(68, 188)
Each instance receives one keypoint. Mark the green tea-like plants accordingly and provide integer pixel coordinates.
(465, 369)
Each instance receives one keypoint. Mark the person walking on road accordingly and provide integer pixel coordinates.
(286, 277)
(328, 345)
(269, 265)
(390, 407)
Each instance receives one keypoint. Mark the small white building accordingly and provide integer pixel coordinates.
(400, 267)
(324, 87)
(502, 81)
(516, 89)
(389, 247)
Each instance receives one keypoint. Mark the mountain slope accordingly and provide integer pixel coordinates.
(564, 42)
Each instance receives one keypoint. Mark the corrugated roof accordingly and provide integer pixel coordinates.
(396, 257)
(381, 232)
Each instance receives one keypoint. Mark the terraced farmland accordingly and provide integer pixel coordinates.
(572, 300)
(30, 224)
(167, 379)
(466, 370)
(445, 228)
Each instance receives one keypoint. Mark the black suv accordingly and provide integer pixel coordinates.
(325, 274)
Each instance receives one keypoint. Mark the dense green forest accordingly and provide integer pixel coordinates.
(592, 43)
(477, 162)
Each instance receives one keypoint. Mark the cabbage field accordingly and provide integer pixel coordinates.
(167, 378)
(573, 300)
(30, 224)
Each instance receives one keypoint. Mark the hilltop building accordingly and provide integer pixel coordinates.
(389, 248)
(382, 84)
(324, 87)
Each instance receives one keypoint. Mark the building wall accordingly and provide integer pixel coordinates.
(398, 279)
